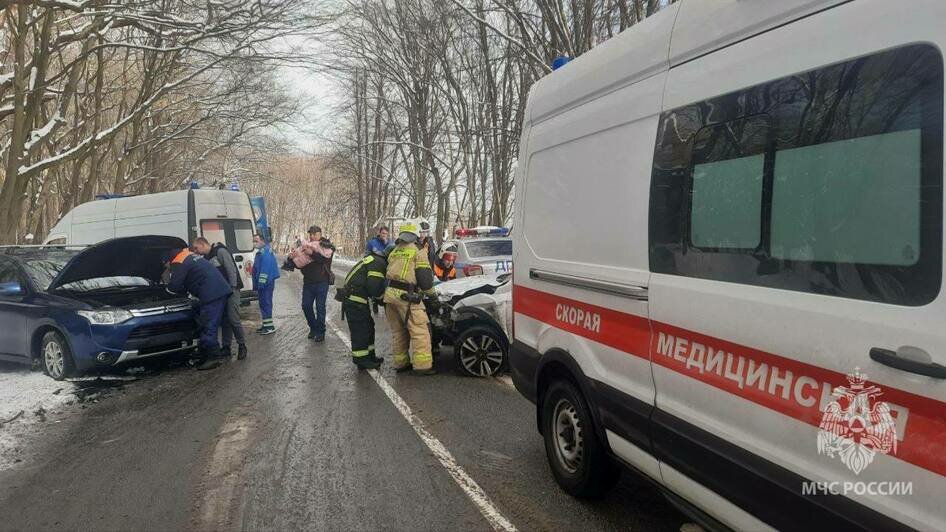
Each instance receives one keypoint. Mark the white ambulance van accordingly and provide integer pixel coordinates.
(218, 215)
(729, 261)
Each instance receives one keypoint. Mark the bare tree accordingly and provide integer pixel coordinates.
(105, 97)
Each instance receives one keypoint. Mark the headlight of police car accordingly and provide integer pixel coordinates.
(106, 317)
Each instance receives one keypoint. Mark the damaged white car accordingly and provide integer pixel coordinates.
(475, 316)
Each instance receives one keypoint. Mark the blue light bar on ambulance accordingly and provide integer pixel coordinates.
(560, 61)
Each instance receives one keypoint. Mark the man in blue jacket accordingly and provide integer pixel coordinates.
(378, 244)
(193, 274)
(265, 273)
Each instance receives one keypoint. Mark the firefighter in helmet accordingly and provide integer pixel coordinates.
(410, 278)
(364, 283)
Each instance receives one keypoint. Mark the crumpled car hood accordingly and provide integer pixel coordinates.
(458, 287)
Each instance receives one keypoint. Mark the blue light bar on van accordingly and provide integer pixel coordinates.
(560, 61)
(235, 187)
(195, 185)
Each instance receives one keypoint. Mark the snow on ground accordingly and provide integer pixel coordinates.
(25, 398)
(29, 399)
(342, 261)
(28, 391)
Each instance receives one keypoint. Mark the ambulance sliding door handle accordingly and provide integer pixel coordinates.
(897, 360)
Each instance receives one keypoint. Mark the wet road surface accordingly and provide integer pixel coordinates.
(295, 437)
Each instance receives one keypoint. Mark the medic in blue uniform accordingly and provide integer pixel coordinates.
(265, 273)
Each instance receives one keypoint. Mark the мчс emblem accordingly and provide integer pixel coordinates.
(856, 426)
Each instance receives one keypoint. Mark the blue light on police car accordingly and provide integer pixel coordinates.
(560, 61)
(234, 187)
(195, 185)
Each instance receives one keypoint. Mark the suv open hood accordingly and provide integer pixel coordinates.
(133, 256)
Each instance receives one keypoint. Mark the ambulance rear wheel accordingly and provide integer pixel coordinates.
(579, 461)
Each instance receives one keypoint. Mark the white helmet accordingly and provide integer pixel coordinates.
(423, 225)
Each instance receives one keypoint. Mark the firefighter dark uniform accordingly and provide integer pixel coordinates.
(363, 283)
(409, 279)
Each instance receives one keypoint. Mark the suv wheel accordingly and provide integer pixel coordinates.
(480, 351)
(56, 357)
(578, 459)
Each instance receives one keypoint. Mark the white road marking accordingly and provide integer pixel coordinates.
(465, 481)
(221, 507)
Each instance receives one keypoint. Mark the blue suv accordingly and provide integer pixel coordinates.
(78, 311)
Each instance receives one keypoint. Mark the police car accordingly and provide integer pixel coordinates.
(729, 263)
(480, 250)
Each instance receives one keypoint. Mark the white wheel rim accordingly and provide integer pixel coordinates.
(481, 355)
(569, 440)
(53, 357)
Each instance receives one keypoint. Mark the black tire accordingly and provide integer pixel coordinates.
(481, 351)
(61, 366)
(584, 468)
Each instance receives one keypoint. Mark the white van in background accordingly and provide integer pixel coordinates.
(729, 263)
(218, 215)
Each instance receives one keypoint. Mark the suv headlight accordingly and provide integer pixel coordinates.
(106, 317)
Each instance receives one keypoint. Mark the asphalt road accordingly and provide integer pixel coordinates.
(296, 438)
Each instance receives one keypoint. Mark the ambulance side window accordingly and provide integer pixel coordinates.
(726, 185)
(828, 181)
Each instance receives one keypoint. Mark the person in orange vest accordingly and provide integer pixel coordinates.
(194, 275)
(445, 268)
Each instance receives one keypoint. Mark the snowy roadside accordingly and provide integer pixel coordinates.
(26, 397)
(342, 261)
(27, 391)
(30, 398)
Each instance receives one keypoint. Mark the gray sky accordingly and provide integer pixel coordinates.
(317, 93)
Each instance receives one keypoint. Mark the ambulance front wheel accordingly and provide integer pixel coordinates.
(578, 458)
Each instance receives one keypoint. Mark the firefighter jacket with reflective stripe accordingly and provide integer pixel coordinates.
(408, 265)
(365, 281)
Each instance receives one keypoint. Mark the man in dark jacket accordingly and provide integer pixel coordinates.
(192, 274)
(364, 283)
(232, 327)
(316, 278)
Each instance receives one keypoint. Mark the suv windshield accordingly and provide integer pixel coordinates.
(43, 269)
(489, 248)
